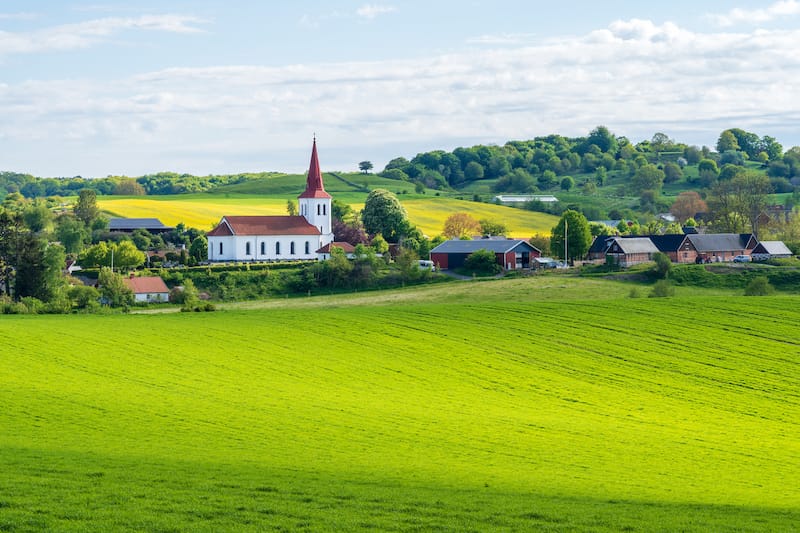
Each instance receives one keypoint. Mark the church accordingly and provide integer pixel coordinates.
(278, 238)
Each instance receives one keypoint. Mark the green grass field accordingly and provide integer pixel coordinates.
(203, 211)
(528, 404)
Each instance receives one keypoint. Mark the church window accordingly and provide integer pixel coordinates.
(291, 248)
(263, 248)
(277, 248)
(247, 248)
(307, 247)
(318, 209)
(220, 248)
(324, 209)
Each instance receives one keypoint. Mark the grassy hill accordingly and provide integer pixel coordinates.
(539, 403)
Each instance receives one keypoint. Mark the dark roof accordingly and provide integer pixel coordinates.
(263, 225)
(600, 244)
(130, 224)
(722, 242)
(497, 246)
(670, 242)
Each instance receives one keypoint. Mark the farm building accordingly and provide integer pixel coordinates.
(772, 249)
(630, 251)
(514, 199)
(148, 288)
(272, 238)
(511, 254)
(129, 225)
(681, 248)
(324, 253)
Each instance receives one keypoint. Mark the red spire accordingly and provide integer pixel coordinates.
(314, 186)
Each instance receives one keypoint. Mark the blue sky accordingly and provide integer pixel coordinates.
(207, 87)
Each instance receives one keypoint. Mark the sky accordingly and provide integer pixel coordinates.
(102, 88)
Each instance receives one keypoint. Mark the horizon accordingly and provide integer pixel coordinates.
(200, 88)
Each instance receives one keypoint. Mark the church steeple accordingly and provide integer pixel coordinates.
(314, 185)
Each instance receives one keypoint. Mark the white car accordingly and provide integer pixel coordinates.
(741, 259)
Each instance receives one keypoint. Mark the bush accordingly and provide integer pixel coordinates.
(482, 263)
(759, 287)
(663, 265)
(662, 289)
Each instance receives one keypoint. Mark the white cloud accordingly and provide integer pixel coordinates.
(636, 77)
(18, 16)
(370, 11)
(84, 34)
(756, 16)
(503, 39)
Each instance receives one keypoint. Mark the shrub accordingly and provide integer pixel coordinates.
(663, 265)
(482, 263)
(662, 289)
(759, 287)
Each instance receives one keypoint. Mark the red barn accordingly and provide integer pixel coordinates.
(511, 254)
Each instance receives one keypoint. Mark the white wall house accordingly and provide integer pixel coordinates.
(278, 238)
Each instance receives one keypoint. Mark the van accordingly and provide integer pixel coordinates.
(427, 265)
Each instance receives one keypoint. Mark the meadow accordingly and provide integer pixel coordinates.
(541, 403)
(204, 211)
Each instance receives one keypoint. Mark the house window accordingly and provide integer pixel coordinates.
(291, 248)
(247, 248)
(277, 248)
(220, 248)
(263, 248)
(307, 247)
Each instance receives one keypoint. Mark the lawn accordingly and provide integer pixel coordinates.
(583, 410)
(203, 211)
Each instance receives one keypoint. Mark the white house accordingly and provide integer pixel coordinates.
(148, 288)
(275, 238)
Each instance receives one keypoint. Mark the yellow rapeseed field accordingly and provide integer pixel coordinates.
(204, 211)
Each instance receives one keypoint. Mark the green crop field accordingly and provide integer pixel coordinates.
(203, 211)
(528, 404)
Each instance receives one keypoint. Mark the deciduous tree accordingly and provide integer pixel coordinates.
(384, 214)
(579, 236)
(460, 225)
(687, 205)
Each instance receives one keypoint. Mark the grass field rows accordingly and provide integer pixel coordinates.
(593, 414)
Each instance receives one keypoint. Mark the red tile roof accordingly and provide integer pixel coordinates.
(147, 285)
(346, 246)
(314, 185)
(263, 225)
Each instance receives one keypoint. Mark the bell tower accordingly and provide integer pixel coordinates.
(314, 203)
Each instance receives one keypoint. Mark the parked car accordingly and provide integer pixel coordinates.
(741, 259)
(761, 257)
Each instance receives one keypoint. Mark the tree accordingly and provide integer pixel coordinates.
(129, 187)
(672, 172)
(408, 263)
(384, 214)
(126, 255)
(579, 236)
(492, 227)
(759, 286)
(351, 231)
(460, 225)
(737, 204)
(647, 178)
(365, 166)
(473, 171)
(113, 288)
(567, 183)
(37, 217)
(727, 141)
(687, 205)
(291, 208)
(85, 208)
(190, 295)
(482, 263)
(663, 265)
(603, 139)
(379, 244)
(198, 250)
